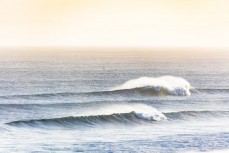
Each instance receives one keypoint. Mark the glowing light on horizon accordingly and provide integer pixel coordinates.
(114, 23)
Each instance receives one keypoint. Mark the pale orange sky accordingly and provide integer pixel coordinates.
(114, 23)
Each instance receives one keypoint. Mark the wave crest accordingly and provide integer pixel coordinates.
(165, 84)
(122, 114)
(71, 121)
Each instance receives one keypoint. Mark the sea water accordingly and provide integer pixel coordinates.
(114, 102)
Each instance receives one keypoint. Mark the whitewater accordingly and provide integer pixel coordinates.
(114, 103)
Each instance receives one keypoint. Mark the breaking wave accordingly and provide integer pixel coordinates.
(163, 85)
(130, 118)
(146, 86)
(114, 114)
(71, 121)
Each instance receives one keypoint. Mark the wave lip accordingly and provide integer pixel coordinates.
(71, 121)
(165, 84)
(130, 118)
(114, 114)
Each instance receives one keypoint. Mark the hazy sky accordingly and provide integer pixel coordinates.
(115, 23)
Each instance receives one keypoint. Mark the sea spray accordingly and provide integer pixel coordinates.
(170, 84)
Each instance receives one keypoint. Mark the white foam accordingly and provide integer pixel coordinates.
(151, 117)
(142, 111)
(173, 85)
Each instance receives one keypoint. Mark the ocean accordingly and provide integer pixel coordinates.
(157, 102)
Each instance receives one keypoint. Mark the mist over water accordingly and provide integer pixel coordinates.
(117, 102)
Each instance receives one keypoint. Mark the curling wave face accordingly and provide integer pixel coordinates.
(146, 86)
(138, 114)
(164, 85)
(129, 118)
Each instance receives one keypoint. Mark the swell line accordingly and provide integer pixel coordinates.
(131, 118)
(72, 121)
(144, 91)
(186, 115)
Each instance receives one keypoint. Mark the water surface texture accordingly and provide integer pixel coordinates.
(119, 102)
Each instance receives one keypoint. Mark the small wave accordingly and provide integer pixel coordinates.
(41, 95)
(209, 90)
(186, 115)
(165, 84)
